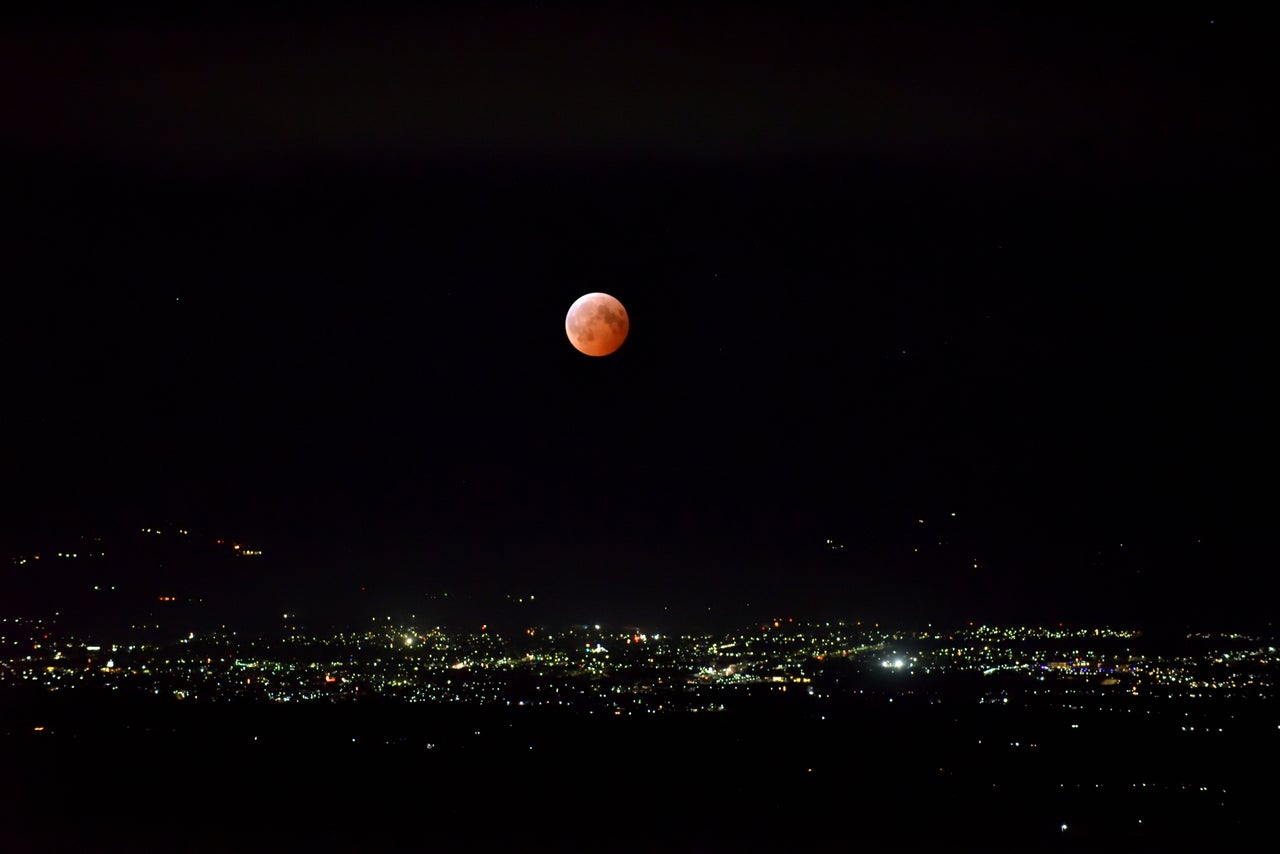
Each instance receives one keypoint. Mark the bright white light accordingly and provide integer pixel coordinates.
(1064, 828)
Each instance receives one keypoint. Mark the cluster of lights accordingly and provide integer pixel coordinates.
(586, 664)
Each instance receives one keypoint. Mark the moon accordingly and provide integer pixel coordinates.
(596, 324)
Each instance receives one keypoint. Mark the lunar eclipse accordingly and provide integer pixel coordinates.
(596, 324)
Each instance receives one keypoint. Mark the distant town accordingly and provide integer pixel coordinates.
(161, 649)
(630, 670)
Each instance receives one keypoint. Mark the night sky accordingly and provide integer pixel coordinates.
(300, 278)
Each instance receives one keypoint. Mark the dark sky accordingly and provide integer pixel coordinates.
(302, 276)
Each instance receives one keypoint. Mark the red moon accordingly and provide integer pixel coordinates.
(596, 324)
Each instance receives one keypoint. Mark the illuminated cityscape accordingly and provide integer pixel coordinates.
(602, 670)
(1114, 735)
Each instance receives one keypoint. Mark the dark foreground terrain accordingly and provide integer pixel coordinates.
(115, 773)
